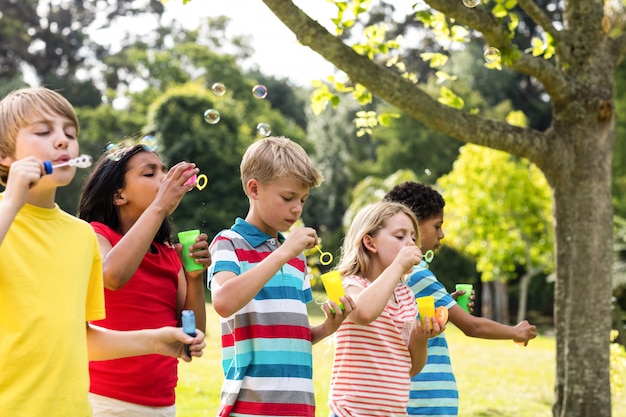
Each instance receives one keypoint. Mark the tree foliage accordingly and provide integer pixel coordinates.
(499, 211)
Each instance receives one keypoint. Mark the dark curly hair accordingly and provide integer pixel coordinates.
(422, 199)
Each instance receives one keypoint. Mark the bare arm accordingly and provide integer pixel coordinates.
(25, 173)
(373, 299)
(105, 344)
(119, 263)
(233, 291)
(418, 343)
(484, 328)
(190, 294)
(333, 320)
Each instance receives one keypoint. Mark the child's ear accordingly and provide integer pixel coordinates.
(368, 242)
(252, 186)
(118, 198)
(6, 160)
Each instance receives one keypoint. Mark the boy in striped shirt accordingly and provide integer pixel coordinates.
(260, 288)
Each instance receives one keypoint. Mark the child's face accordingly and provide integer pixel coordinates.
(431, 232)
(278, 205)
(144, 173)
(397, 233)
(51, 138)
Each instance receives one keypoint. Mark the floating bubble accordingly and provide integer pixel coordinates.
(218, 89)
(427, 172)
(492, 55)
(259, 91)
(110, 147)
(471, 3)
(211, 116)
(263, 129)
(149, 143)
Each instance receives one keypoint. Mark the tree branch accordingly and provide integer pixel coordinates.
(495, 34)
(392, 88)
(539, 17)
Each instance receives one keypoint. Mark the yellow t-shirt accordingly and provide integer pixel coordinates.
(50, 287)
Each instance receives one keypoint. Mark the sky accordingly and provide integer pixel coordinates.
(277, 52)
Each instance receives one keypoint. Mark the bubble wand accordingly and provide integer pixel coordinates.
(325, 257)
(82, 161)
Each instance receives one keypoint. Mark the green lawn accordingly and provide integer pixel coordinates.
(495, 378)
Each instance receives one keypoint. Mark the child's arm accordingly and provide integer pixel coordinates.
(418, 342)
(233, 291)
(485, 328)
(190, 294)
(24, 174)
(119, 263)
(373, 299)
(333, 319)
(105, 344)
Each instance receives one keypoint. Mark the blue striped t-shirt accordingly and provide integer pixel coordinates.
(433, 391)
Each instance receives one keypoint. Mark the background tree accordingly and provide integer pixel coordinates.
(575, 61)
(498, 211)
(51, 41)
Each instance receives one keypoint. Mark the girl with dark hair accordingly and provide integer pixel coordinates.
(127, 200)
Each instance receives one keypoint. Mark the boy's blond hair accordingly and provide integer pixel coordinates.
(22, 107)
(355, 258)
(274, 158)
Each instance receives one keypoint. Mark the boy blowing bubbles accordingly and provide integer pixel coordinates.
(51, 271)
(260, 288)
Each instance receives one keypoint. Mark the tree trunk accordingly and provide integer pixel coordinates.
(502, 302)
(523, 296)
(583, 217)
(487, 300)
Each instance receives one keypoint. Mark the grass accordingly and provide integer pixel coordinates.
(495, 377)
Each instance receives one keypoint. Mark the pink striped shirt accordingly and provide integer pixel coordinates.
(372, 363)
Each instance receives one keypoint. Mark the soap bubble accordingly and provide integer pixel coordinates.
(427, 172)
(259, 91)
(492, 55)
(114, 152)
(211, 116)
(218, 89)
(149, 143)
(263, 129)
(471, 3)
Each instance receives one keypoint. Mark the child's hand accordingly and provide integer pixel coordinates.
(172, 189)
(171, 341)
(199, 251)
(334, 319)
(470, 304)
(408, 257)
(526, 331)
(432, 327)
(298, 240)
(23, 174)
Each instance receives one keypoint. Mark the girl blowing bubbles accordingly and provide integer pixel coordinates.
(381, 344)
(127, 202)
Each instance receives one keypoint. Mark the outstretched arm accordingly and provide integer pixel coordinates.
(485, 328)
(105, 344)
